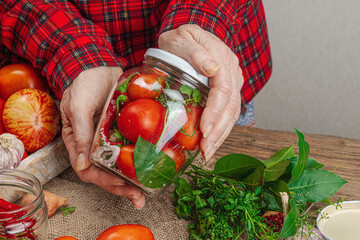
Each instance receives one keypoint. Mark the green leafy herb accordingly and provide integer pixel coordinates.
(220, 207)
(67, 210)
(228, 201)
(192, 95)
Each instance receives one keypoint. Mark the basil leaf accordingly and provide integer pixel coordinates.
(236, 166)
(303, 157)
(153, 167)
(316, 185)
(275, 171)
(290, 224)
(284, 153)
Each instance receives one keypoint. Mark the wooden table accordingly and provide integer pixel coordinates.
(336, 153)
(97, 210)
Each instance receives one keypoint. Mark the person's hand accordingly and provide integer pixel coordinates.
(80, 108)
(211, 57)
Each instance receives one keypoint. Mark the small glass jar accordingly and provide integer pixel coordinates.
(149, 133)
(25, 222)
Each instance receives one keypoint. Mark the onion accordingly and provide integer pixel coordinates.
(11, 151)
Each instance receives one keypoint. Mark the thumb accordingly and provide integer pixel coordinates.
(83, 127)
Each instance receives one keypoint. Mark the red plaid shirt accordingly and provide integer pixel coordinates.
(62, 38)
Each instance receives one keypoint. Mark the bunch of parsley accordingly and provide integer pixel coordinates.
(219, 208)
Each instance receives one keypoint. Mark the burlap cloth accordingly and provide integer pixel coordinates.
(97, 210)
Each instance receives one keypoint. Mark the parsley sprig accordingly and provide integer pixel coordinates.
(192, 95)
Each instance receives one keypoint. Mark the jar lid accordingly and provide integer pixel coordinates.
(177, 62)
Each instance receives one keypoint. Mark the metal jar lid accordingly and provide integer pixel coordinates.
(177, 62)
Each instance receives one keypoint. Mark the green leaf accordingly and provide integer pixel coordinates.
(303, 157)
(284, 153)
(67, 210)
(312, 164)
(185, 89)
(236, 166)
(327, 201)
(153, 167)
(270, 201)
(316, 185)
(290, 224)
(275, 171)
(276, 188)
(255, 179)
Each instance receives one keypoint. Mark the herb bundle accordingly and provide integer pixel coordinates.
(228, 202)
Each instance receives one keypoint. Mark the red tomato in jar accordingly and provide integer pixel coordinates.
(126, 232)
(189, 137)
(15, 77)
(2, 128)
(145, 86)
(142, 117)
(125, 161)
(33, 117)
(176, 153)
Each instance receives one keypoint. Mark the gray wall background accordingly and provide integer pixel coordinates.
(316, 73)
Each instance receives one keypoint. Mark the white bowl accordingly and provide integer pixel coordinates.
(342, 223)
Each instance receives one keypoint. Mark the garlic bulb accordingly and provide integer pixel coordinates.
(11, 151)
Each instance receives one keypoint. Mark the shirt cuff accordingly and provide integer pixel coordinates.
(205, 18)
(64, 70)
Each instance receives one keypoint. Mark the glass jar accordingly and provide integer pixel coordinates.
(21, 220)
(149, 133)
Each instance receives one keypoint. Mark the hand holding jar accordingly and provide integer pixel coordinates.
(149, 132)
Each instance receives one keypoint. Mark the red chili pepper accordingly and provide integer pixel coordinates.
(8, 206)
(12, 219)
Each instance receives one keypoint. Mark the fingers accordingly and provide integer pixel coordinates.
(136, 197)
(198, 47)
(184, 45)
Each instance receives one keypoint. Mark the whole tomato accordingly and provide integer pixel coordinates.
(18, 76)
(65, 238)
(190, 135)
(126, 232)
(2, 128)
(33, 117)
(125, 161)
(176, 153)
(145, 86)
(144, 117)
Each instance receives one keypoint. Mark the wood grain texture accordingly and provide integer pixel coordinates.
(338, 154)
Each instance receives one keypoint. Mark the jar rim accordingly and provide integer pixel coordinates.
(177, 62)
(26, 179)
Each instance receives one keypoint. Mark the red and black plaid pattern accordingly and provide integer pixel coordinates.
(62, 38)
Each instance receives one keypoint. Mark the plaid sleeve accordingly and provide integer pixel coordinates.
(222, 18)
(56, 39)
